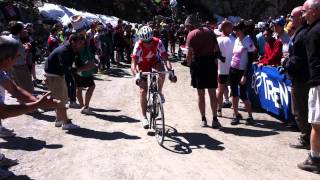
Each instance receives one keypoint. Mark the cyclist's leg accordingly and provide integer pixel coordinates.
(160, 67)
(143, 97)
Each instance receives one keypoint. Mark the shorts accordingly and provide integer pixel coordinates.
(84, 82)
(146, 66)
(204, 73)
(58, 88)
(223, 79)
(314, 105)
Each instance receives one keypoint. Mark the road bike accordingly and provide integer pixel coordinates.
(155, 112)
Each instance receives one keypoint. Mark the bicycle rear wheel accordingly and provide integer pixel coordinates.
(159, 123)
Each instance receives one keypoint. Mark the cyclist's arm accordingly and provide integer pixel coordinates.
(134, 66)
(136, 54)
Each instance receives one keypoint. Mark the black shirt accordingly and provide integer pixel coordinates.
(61, 59)
(313, 53)
(297, 65)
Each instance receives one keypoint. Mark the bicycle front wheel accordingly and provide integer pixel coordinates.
(159, 123)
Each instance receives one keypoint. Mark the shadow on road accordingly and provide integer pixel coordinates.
(104, 110)
(247, 132)
(184, 143)
(274, 125)
(118, 119)
(41, 116)
(20, 177)
(119, 73)
(92, 134)
(27, 144)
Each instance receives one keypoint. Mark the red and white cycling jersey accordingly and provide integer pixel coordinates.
(148, 57)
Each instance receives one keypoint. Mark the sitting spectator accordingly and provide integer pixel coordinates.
(273, 49)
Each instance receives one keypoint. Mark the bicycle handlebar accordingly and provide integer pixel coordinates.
(156, 73)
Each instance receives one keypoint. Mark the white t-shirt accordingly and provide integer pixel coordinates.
(226, 45)
(3, 77)
(240, 53)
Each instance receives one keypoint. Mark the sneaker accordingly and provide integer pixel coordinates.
(215, 123)
(58, 123)
(87, 111)
(300, 144)
(310, 164)
(163, 100)
(6, 162)
(235, 120)
(249, 121)
(70, 126)
(74, 105)
(226, 104)
(204, 122)
(145, 123)
(5, 174)
(219, 113)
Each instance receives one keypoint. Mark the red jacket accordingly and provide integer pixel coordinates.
(273, 53)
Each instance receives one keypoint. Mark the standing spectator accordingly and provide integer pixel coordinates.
(164, 35)
(279, 24)
(311, 12)
(172, 40)
(9, 53)
(226, 44)
(85, 79)
(181, 35)
(273, 49)
(119, 42)
(21, 72)
(90, 35)
(58, 63)
(297, 65)
(240, 65)
(260, 38)
(53, 39)
(202, 58)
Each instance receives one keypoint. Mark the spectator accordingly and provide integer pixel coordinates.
(9, 53)
(21, 72)
(119, 42)
(260, 38)
(58, 63)
(280, 33)
(297, 65)
(240, 65)
(85, 80)
(53, 39)
(181, 35)
(273, 49)
(311, 12)
(226, 44)
(172, 40)
(203, 50)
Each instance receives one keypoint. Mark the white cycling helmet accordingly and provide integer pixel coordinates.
(146, 33)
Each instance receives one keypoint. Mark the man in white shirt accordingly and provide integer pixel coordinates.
(226, 44)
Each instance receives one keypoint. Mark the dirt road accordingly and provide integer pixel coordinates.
(113, 145)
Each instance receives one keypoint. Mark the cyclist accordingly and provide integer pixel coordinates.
(148, 53)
